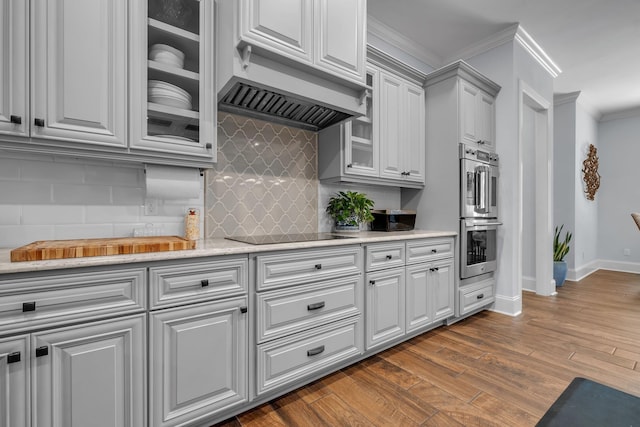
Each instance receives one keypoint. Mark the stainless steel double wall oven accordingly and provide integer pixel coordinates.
(479, 223)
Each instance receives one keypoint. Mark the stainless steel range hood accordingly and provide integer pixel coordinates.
(252, 83)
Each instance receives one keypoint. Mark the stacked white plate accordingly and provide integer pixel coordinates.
(167, 94)
(166, 54)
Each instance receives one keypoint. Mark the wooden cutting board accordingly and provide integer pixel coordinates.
(58, 249)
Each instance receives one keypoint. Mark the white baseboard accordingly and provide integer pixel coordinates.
(511, 306)
(575, 274)
(626, 267)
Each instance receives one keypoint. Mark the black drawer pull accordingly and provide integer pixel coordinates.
(315, 306)
(16, 120)
(42, 351)
(433, 251)
(13, 357)
(372, 282)
(389, 256)
(204, 282)
(39, 122)
(436, 268)
(315, 351)
(243, 309)
(318, 266)
(480, 296)
(29, 306)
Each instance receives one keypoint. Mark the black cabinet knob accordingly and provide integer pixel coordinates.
(13, 357)
(389, 256)
(204, 282)
(208, 146)
(372, 282)
(433, 251)
(318, 266)
(16, 120)
(350, 165)
(42, 351)
(243, 309)
(29, 306)
(39, 122)
(480, 296)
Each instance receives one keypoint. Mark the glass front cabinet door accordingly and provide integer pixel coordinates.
(361, 136)
(173, 80)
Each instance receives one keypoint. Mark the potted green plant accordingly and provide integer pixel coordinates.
(349, 209)
(560, 250)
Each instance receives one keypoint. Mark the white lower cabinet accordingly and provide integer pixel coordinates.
(15, 392)
(429, 293)
(385, 306)
(198, 361)
(90, 375)
(410, 287)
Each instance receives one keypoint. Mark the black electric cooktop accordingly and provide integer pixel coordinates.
(269, 239)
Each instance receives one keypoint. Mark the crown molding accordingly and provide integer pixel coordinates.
(623, 114)
(497, 39)
(462, 69)
(513, 33)
(383, 59)
(401, 42)
(536, 52)
(565, 98)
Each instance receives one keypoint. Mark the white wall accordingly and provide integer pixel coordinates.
(564, 158)
(619, 193)
(585, 240)
(528, 199)
(46, 197)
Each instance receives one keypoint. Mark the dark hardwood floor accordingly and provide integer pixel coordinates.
(488, 370)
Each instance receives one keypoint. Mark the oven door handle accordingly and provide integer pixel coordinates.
(470, 226)
(483, 181)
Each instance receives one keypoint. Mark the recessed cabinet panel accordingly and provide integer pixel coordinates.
(15, 392)
(385, 294)
(14, 67)
(391, 132)
(418, 297)
(339, 44)
(198, 360)
(442, 280)
(90, 375)
(415, 139)
(79, 70)
(284, 25)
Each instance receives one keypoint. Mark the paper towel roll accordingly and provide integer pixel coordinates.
(172, 182)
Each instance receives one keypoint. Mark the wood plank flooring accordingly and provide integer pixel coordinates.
(488, 370)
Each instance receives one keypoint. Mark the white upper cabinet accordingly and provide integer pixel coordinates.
(74, 78)
(340, 36)
(387, 146)
(284, 26)
(14, 67)
(172, 69)
(79, 71)
(477, 116)
(326, 35)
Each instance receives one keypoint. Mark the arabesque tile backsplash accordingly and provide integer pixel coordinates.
(265, 180)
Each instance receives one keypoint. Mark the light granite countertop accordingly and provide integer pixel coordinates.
(210, 247)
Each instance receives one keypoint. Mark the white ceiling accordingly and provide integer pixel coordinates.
(596, 43)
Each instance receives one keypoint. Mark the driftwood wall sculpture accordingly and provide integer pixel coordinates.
(590, 171)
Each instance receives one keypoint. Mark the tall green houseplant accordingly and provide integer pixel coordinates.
(560, 250)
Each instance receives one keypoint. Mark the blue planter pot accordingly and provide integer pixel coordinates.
(559, 272)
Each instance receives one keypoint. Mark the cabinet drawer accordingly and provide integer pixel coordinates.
(288, 360)
(429, 250)
(286, 311)
(291, 268)
(473, 297)
(384, 255)
(39, 301)
(189, 282)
